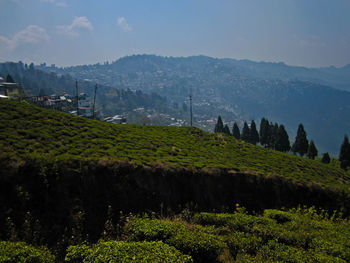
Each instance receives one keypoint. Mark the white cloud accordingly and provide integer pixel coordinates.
(32, 34)
(61, 3)
(78, 24)
(123, 25)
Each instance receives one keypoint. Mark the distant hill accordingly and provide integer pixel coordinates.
(111, 101)
(238, 90)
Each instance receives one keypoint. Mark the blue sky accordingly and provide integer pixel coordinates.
(310, 33)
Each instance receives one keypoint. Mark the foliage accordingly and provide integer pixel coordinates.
(245, 136)
(200, 245)
(325, 158)
(121, 251)
(297, 235)
(20, 252)
(27, 130)
(312, 151)
(301, 143)
(235, 131)
(219, 126)
(344, 154)
(253, 133)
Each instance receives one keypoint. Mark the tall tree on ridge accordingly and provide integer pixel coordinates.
(264, 132)
(9, 79)
(219, 127)
(254, 135)
(226, 130)
(235, 131)
(344, 155)
(312, 150)
(273, 134)
(301, 143)
(245, 136)
(325, 158)
(282, 140)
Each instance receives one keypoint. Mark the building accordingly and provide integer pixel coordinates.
(8, 89)
(84, 106)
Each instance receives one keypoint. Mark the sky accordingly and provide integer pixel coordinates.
(311, 33)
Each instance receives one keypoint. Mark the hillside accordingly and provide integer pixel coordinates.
(236, 90)
(62, 175)
(111, 101)
(30, 130)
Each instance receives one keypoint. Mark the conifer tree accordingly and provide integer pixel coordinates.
(9, 79)
(312, 150)
(245, 136)
(301, 143)
(264, 132)
(254, 135)
(344, 155)
(325, 158)
(236, 132)
(219, 127)
(273, 134)
(226, 130)
(282, 140)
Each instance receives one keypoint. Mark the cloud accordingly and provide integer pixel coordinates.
(32, 34)
(78, 24)
(61, 3)
(123, 25)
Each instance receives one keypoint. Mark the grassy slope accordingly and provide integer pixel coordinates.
(26, 129)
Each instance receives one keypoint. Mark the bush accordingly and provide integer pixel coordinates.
(121, 251)
(245, 243)
(280, 216)
(20, 252)
(139, 229)
(200, 245)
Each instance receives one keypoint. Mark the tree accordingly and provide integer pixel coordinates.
(264, 132)
(9, 79)
(245, 136)
(312, 150)
(273, 134)
(325, 158)
(219, 127)
(235, 131)
(226, 130)
(253, 135)
(282, 140)
(301, 143)
(344, 155)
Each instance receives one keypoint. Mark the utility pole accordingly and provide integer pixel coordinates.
(191, 107)
(77, 96)
(93, 107)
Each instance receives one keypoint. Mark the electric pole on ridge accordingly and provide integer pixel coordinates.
(93, 107)
(77, 96)
(191, 107)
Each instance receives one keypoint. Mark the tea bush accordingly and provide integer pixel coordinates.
(20, 252)
(121, 251)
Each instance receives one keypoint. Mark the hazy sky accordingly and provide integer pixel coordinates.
(69, 32)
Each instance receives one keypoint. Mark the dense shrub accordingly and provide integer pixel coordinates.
(121, 251)
(200, 245)
(245, 243)
(139, 229)
(280, 216)
(20, 252)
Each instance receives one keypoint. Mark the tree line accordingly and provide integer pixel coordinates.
(274, 136)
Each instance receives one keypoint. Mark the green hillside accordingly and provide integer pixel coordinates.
(25, 129)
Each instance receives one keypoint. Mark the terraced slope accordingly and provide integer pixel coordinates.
(25, 129)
